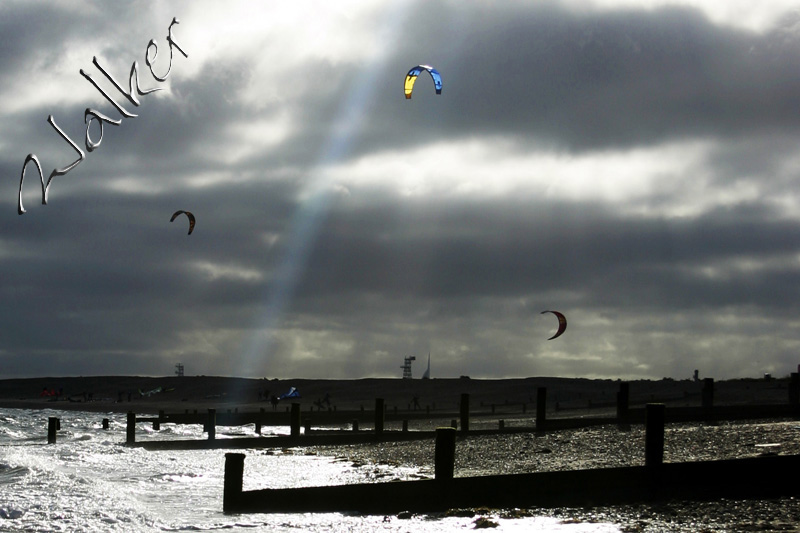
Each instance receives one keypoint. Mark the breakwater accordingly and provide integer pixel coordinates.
(755, 477)
(295, 419)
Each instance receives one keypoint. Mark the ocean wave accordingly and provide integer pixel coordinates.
(11, 434)
(9, 513)
(176, 477)
(10, 474)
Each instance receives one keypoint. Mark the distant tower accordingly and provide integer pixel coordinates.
(427, 374)
(179, 370)
(407, 367)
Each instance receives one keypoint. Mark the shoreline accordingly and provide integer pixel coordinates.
(569, 449)
(148, 395)
(597, 447)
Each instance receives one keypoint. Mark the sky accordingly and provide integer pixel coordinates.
(634, 165)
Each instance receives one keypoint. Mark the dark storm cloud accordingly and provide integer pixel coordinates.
(545, 74)
(99, 280)
(573, 80)
(524, 249)
(36, 37)
(32, 34)
(104, 271)
(120, 287)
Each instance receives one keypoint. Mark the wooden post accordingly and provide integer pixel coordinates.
(405, 426)
(211, 424)
(258, 420)
(623, 397)
(105, 423)
(52, 424)
(654, 435)
(454, 423)
(234, 474)
(307, 426)
(464, 413)
(708, 393)
(355, 424)
(294, 420)
(445, 454)
(524, 407)
(794, 388)
(379, 414)
(130, 429)
(541, 408)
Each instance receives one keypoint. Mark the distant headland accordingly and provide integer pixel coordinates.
(177, 393)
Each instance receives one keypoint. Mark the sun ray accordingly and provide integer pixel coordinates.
(316, 199)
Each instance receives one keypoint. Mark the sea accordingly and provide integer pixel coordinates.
(90, 481)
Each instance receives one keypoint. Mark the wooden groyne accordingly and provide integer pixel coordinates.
(763, 477)
(323, 434)
(706, 412)
(295, 438)
(287, 441)
(760, 477)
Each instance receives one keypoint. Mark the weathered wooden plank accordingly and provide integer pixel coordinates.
(760, 477)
